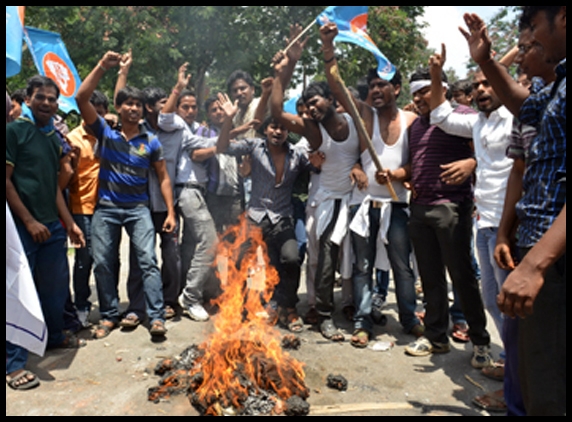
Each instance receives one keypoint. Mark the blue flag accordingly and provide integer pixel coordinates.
(352, 24)
(14, 37)
(52, 60)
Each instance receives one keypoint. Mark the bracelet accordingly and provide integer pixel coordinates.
(102, 67)
(176, 92)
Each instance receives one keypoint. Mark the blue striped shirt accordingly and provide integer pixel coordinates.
(268, 198)
(545, 178)
(125, 165)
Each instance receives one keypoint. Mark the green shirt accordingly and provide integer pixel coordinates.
(35, 157)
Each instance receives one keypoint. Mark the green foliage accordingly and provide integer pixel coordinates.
(215, 40)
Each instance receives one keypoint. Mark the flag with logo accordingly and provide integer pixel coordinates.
(14, 37)
(352, 25)
(52, 60)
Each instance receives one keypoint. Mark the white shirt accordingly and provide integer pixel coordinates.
(491, 136)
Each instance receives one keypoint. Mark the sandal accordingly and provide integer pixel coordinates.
(492, 402)
(461, 333)
(495, 372)
(104, 329)
(291, 320)
(330, 332)
(360, 339)
(130, 322)
(24, 381)
(71, 342)
(158, 329)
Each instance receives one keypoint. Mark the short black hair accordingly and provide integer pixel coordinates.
(153, 95)
(529, 13)
(238, 75)
(317, 88)
(98, 98)
(129, 93)
(374, 74)
(40, 81)
(423, 74)
(184, 94)
(209, 102)
(463, 85)
(19, 96)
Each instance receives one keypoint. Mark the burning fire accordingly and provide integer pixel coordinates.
(243, 358)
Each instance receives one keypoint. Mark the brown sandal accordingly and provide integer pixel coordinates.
(491, 402)
(360, 339)
(104, 329)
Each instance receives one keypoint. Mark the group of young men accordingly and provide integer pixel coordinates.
(151, 175)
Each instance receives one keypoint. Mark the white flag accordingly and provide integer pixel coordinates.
(25, 324)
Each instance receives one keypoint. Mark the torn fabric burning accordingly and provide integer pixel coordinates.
(242, 368)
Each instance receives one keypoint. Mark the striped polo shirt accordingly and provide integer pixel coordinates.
(125, 165)
(430, 148)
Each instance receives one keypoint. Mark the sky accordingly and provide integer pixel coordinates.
(444, 22)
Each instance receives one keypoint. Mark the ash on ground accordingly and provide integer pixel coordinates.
(176, 379)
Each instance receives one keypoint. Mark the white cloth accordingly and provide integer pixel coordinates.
(492, 137)
(361, 226)
(25, 324)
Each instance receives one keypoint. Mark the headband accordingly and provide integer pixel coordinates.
(419, 85)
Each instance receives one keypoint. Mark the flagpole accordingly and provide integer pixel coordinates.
(295, 40)
(360, 126)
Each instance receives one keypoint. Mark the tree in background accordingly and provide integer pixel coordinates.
(215, 40)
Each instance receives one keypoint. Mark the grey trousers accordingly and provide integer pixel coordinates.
(198, 248)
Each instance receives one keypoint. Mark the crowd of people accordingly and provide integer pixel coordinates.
(493, 146)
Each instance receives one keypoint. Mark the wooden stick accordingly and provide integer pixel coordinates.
(295, 40)
(359, 408)
(360, 125)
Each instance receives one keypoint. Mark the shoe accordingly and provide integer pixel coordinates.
(482, 357)
(83, 317)
(198, 313)
(423, 347)
(195, 311)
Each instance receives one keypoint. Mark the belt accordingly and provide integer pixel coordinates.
(379, 205)
(200, 188)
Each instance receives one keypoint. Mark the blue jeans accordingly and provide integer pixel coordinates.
(399, 251)
(16, 358)
(106, 237)
(49, 265)
(492, 276)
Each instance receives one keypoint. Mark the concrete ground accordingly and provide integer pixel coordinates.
(111, 377)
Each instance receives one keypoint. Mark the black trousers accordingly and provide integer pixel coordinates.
(442, 237)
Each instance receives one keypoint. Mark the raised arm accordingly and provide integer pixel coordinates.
(508, 90)
(124, 67)
(182, 83)
(230, 110)
(328, 33)
(89, 85)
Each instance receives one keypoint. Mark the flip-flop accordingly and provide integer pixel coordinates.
(131, 321)
(330, 332)
(14, 382)
(360, 339)
(103, 330)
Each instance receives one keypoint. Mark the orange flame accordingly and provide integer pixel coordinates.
(245, 352)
